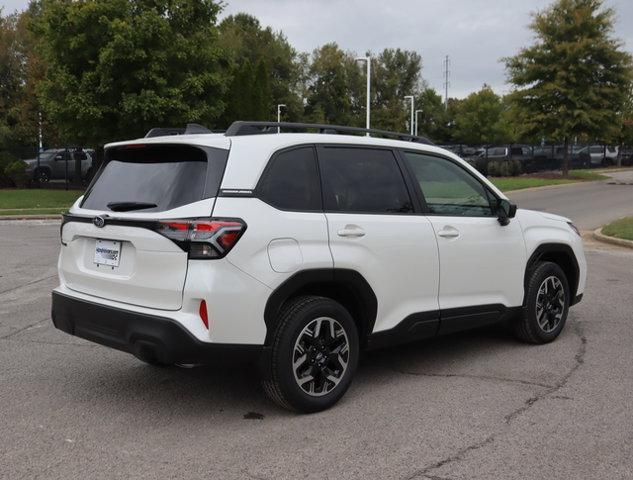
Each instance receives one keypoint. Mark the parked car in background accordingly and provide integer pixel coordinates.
(601, 154)
(59, 164)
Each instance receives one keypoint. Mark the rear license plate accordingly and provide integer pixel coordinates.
(107, 252)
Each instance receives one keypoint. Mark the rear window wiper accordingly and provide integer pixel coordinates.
(129, 206)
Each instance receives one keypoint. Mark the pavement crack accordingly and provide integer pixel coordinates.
(27, 284)
(478, 377)
(457, 456)
(579, 360)
(20, 330)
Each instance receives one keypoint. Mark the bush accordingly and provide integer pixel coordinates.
(16, 172)
(504, 168)
(6, 159)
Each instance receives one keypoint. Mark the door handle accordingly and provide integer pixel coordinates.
(448, 232)
(351, 231)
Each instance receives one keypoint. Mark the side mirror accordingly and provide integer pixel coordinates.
(505, 211)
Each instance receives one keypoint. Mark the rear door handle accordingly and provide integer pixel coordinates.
(448, 232)
(351, 231)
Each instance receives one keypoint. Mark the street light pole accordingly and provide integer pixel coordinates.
(279, 106)
(368, 105)
(416, 122)
(410, 97)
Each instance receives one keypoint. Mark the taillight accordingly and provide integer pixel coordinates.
(204, 238)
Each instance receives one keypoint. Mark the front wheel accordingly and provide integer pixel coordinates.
(314, 355)
(547, 304)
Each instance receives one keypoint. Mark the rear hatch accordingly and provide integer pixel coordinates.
(110, 244)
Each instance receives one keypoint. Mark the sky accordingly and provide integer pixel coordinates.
(475, 34)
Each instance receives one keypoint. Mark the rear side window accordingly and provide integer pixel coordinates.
(155, 178)
(291, 181)
(362, 180)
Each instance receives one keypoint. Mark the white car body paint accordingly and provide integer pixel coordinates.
(408, 265)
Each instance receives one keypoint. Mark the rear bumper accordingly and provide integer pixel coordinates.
(145, 336)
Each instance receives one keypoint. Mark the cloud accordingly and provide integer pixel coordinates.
(475, 33)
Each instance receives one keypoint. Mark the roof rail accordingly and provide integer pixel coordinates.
(192, 129)
(256, 128)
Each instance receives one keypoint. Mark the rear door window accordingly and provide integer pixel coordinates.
(155, 178)
(362, 180)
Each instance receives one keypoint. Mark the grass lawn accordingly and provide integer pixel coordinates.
(36, 201)
(622, 228)
(506, 184)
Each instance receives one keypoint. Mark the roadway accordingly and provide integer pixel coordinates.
(476, 405)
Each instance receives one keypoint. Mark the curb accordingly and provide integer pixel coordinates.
(598, 235)
(30, 217)
(549, 187)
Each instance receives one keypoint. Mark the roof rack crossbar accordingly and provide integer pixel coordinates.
(255, 128)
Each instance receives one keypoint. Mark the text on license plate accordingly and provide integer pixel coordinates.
(107, 252)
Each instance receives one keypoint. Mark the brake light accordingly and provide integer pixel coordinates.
(204, 238)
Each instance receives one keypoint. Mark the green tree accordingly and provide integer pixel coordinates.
(116, 68)
(434, 119)
(395, 73)
(335, 87)
(12, 77)
(575, 77)
(276, 77)
(479, 119)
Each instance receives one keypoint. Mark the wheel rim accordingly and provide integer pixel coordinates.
(550, 304)
(320, 356)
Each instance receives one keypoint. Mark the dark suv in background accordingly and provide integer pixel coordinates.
(60, 164)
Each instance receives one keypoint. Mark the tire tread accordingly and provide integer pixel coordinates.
(271, 385)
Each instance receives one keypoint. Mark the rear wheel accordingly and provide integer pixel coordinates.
(547, 304)
(314, 355)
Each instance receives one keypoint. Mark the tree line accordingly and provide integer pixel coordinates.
(98, 71)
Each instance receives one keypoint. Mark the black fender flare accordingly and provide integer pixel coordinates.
(345, 281)
(546, 250)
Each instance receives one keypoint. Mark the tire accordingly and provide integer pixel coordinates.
(544, 314)
(325, 356)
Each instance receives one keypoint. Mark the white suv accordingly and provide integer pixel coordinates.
(300, 250)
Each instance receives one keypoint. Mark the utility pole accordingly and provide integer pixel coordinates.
(447, 74)
(417, 122)
(279, 107)
(368, 106)
(410, 97)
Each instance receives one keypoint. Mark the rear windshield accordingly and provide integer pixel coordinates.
(155, 178)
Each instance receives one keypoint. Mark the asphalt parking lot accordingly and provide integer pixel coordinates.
(476, 405)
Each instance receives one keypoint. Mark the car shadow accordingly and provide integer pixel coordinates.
(128, 385)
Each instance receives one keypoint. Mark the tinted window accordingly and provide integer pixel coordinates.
(497, 152)
(164, 176)
(516, 151)
(449, 189)
(363, 181)
(292, 181)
